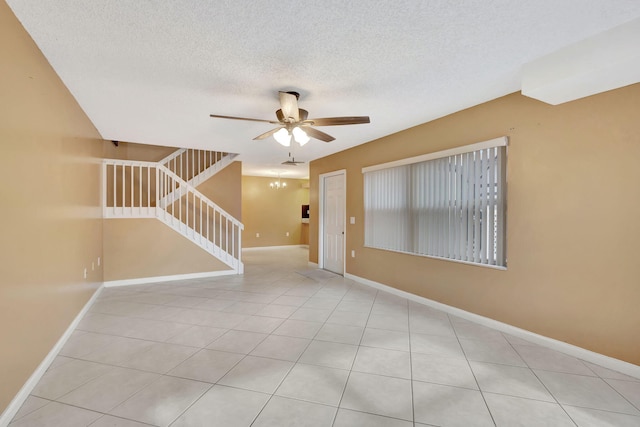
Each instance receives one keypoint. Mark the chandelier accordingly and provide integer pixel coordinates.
(278, 184)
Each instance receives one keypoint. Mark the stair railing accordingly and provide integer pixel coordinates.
(137, 189)
(188, 163)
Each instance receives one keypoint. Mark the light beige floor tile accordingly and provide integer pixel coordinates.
(257, 374)
(349, 418)
(224, 406)
(206, 365)
(298, 328)
(109, 390)
(314, 384)
(103, 323)
(443, 405)
(629, 389)
(111, 421)
(330, 354)
(58, 381)
(586, 417)
(510, 380)
(214, 304)
(238, 341)
(292, 300)
(159, 358)
(442, 370)
(153, 330)
(281, 347)
(119, 350)
(279, 311)
(311, 314)
(81, 345)
(355, 306)
(56, 415)
(340, 333)
(31, 404)
(348, 318)
(436, 345)
(379, 395)
(197, 336)
(491, 351)
(606, 373)
(588, 392)
(321, 303)
(511, 411)
(186, 301)
(431, 325)
(162, 401)
(390, 322)
(380, 361)
(59, 361)
(244, 308)
(391, 340)
(546, 359)
(281, 412)
(474, 331)
(264, 325)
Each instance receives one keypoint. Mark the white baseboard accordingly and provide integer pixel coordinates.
(28, 386)
(257, 248)
(158, 279)
(572, 350)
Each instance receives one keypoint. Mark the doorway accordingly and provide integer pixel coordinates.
(332, 221)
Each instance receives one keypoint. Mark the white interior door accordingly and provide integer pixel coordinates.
(334, 223)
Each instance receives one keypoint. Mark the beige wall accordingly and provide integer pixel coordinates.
(225, 189)
(51, 228)
(573, 220)
(273, 213)
(133, 151)
(139, 248)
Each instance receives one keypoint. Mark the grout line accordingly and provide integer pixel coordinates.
(346, 383)
(471, 369)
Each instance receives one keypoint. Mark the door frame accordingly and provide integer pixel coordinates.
(321, 202)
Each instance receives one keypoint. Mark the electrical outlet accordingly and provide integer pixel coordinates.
(257, 234)
(352, 220)
(85, 273)
(287, 234)
(353, 253)
(98, 261)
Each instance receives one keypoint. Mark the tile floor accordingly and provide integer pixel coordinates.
(287, 345)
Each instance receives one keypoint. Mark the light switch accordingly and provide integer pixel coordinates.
(352, 220)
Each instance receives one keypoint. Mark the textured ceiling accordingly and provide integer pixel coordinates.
(152, 71)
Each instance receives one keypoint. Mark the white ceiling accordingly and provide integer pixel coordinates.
(151, 71)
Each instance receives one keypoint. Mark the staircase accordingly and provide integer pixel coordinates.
(196, 166)
(137, 189)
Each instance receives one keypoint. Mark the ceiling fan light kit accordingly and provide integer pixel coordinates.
(283, 137)
(292, 120)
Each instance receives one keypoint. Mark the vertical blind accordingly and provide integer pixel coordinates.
(449, 207)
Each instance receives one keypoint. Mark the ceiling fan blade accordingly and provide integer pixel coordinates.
(302, 115)
(267, 134)
(336, 121)
(242, 118)
(315, 133)
(289, 106)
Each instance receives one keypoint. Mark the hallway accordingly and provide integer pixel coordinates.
(289, 345)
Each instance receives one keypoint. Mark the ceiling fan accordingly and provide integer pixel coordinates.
(291, 161)
(293, 120)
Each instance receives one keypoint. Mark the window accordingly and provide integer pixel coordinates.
(448, 204)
